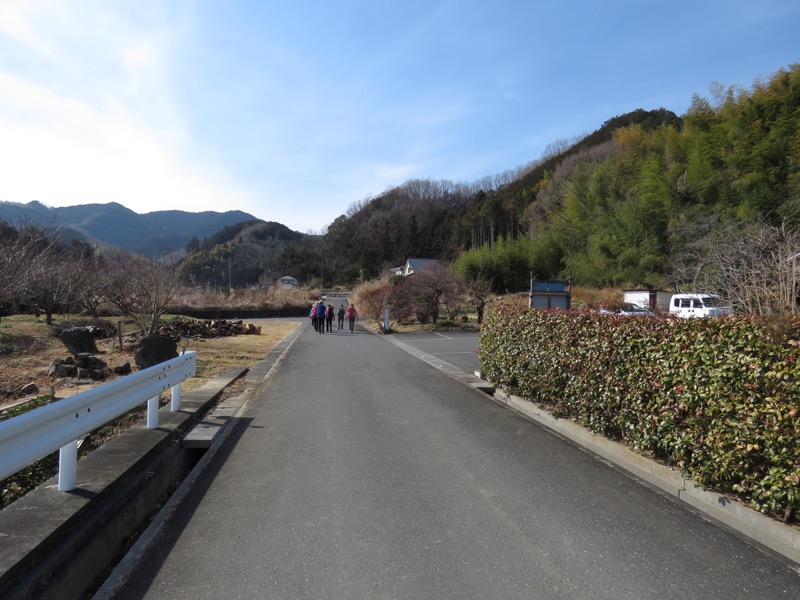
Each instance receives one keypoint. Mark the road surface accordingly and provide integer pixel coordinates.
(362, 472)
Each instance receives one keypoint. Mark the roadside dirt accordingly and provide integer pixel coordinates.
(35, 346)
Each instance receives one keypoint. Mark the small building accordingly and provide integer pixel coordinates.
(413, 265)
(288, 282)
(550, 293)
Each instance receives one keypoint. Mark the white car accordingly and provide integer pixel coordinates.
(627, 308)
(698, 305)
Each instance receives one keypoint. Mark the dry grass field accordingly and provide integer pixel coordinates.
(28, 345)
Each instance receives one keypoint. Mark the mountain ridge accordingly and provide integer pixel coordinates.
(112, 224)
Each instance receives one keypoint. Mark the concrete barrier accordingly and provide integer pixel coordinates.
(56, 544)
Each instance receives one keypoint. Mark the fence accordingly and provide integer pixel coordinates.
(58, 426)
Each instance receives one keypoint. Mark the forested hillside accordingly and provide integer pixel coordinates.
(639, 202)
(238, 255)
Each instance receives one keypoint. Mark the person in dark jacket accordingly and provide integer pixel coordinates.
(321, 317)
(340, 316)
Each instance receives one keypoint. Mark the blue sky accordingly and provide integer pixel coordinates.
(292, 111)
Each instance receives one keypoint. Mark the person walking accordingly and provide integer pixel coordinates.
(351, 315)
(314, 316)
(340, 316)
(329, 313)
(321, 317)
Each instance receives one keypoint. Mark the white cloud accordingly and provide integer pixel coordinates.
(61, 151)
(14, 22)
(94, 122)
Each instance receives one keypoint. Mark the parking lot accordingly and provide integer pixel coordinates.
(459, 348)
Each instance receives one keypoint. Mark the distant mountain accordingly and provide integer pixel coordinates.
(112, 224)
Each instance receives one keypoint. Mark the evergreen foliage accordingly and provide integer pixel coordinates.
(716, 398)
(621, 206)
(613, 208)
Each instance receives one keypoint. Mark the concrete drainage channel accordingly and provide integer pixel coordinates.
(64, 545)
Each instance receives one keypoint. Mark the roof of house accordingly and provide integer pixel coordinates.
(416, 264)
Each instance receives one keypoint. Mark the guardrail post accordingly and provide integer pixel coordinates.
(68, 467)
(152, 412)
(175, 404)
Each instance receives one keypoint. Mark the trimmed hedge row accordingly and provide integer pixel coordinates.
(717, 398)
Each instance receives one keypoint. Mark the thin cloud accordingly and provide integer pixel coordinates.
(61, 151)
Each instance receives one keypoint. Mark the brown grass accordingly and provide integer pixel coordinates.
(36, 346)
(593, 298)
(215, 355)
(277, 298)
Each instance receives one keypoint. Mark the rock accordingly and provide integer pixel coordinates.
(78, 340)
(65, 370)
(90, 361)
(53, 368)
(28, 388)
(123, 369)
(154, 350)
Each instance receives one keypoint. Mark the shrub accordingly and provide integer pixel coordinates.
(370, 298)
(717, 398)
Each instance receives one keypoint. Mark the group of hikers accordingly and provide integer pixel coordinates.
(322, 316)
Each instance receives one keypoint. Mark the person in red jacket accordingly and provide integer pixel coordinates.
(329, 314)
(351, 315)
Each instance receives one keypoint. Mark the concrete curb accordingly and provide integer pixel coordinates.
(764, 531)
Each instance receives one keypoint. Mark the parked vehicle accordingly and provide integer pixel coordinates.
(698, 305)
(627, 308)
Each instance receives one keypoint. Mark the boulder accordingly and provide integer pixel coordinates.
(155, 349)
(65, 370)
(123, 369)
(89, 361)
(78, 340)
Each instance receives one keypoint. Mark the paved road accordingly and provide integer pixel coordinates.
(459, 348)
(362, 472)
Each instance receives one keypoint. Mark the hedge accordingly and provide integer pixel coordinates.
(718, 399)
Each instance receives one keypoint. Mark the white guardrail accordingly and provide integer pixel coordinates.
(58, 426)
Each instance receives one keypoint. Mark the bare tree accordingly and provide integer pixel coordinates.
(141, 288)
(692, 249)
(93, 285)
(371, 298)
(757, 268)
(425, 292)
(54, 283)
(24, 252)
(479, 288)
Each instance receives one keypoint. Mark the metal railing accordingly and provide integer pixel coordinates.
(26, 438)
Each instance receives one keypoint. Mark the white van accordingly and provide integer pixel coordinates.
(698, 305)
